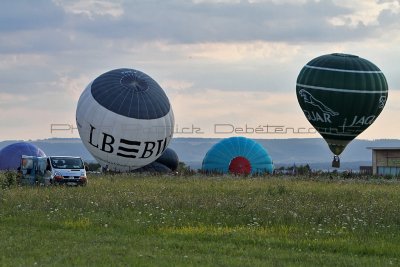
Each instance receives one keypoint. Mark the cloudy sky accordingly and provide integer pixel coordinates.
(231, 62)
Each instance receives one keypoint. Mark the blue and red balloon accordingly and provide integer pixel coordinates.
(238, 155)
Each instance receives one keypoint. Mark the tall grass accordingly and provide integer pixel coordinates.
(8, 179)
(200, 220)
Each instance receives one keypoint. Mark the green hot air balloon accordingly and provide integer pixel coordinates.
(341, 95)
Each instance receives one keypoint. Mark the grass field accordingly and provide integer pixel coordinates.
(202, 221)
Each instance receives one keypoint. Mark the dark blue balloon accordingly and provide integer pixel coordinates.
(169, 158)
(154, 167)
(10, 156)
(130, 93)
(238, 155)
(167, 163)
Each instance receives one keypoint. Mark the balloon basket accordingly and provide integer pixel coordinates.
(336, 162)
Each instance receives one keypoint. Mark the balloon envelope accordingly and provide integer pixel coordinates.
(170, 159)
(341, 95)
(154, 167)
(10, 156)
(166, 163)
(124, 119)
(238, 155)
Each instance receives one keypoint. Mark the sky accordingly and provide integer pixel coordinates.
(224, 64)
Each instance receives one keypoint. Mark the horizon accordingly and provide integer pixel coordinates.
(312, 151)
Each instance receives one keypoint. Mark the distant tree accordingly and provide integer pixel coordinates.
(183, 169)
(303, 169)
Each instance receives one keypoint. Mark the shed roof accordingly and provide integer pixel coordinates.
(384, 148)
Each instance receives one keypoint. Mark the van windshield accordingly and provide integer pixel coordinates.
(66, 163)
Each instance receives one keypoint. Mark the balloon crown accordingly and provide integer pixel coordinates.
(134, 83)
(344, 55)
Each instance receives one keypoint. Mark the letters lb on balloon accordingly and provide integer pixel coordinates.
(128, 148)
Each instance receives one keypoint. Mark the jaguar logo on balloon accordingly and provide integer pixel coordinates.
(327, 112)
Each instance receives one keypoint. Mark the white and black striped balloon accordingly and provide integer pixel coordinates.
(124, 119)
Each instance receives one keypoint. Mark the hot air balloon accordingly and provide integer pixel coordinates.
(124, 119)
(237, 155)
(170, 159)
(166, 163)
(154, 167)
(10, 156)
(341, 95)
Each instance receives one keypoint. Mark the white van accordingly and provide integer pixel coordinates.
(66, 170)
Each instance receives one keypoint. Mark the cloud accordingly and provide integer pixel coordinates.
(92, 8)
(25, 15)
(8, 100)
(176, 85)
(218, 60)
(215, 106)
(8, 61)
(61, 26)
(190, 22)
(179, 21)
(72, 86)
(364, 12)
(238, 21)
